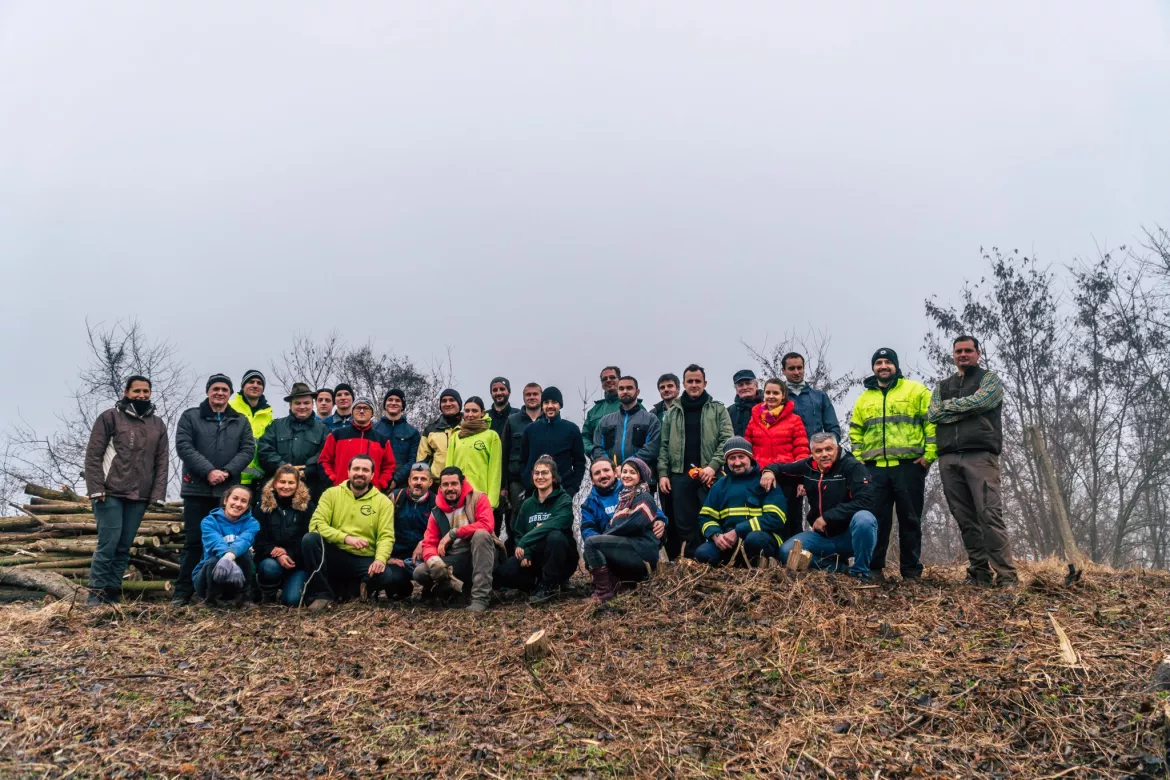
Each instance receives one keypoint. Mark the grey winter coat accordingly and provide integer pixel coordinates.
(205, 443)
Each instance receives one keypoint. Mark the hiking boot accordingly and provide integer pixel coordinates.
(443, 591)
(544, 594)
(95, 600)
(603, 584)
(477, 606)
(180, 600)
(320, 605)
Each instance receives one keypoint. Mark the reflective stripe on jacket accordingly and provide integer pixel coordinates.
(891, 426)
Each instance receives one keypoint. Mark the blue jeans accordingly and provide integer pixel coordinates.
(291, 582)
(832, 553)
(117, 523)
(755, 544)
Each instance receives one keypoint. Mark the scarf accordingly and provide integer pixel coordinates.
(694, 403)
(627, 496)
(768, 418)
(471, 427)
(796, 388)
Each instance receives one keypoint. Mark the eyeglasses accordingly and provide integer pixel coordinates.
(542, 473)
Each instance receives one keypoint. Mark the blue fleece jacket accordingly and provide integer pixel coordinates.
(404, 439)
(597, 510)
(221, 535)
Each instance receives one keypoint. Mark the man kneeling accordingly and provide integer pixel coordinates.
(840, 499)
(459, 543)
(739, 509)
(349, 541)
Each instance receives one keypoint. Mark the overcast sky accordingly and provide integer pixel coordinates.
(547, 187)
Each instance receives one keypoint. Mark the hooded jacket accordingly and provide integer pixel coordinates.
(283, 522)
(410, 521)
(480, 457)
(636, 523)
(740, 412)
(537, 519)
(601, 407)
(432, 446)
(737, 502)
(715, 430)
(559, 439)
(341, 446)
(480, 518)
(628, 434)
(836, 494)
(222, 536)
(206, 441)
(127, 455)
(340, 514)
(293, 442)
(783, 441)
(260, 418)
(890, 424)
(597, 509)
(404, 439)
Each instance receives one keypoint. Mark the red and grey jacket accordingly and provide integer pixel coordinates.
(343, 444)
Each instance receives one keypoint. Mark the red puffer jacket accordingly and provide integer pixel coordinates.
(782, 440)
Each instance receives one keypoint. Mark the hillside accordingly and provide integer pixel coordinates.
(699, 673)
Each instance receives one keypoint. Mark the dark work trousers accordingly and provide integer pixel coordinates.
(554, 559)
(211, 591)
(902, 486)
(620, 555)
(794, 514)
(195, 508)
(516, 498)
(336, 574)
(970, 482)
(687, 496)
(117, 524)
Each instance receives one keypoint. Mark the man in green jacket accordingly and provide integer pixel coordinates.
(546, 553)
(251, 403)
(296, 440)
(350, 539)
(694, 429)
(603, 406)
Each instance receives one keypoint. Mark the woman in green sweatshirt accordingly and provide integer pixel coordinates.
(546, 553)
(477, 451)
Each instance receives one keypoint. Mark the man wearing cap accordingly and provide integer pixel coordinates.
(296, 440)
(747, 397)
(891, 434)
(358, 438)
(343, 398)
(215, 444)
(432, 447)
(403, 436)
(558, 438)
(324, 405)
(251, 403)
(607, 404)
(738, 510)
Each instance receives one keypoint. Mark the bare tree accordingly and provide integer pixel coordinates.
(814, 346)
(309, 361)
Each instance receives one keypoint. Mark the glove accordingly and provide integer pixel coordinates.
(229, 572)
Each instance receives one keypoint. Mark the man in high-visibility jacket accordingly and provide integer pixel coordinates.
(890, 433)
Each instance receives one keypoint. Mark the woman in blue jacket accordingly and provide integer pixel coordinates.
(226, 571)
(630, 544)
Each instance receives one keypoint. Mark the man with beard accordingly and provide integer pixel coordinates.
(598, 507)
(739, 510)
(251, 403)
(630, 432)
(126, 467)
(747, 397)
(403, 436)
(605, 405)
(432, 448)
(459, 543)
(296, 440)
(668, 385)
(556, 437)
(694, 431)
(358, 438)
(412, 512)
(343, 397)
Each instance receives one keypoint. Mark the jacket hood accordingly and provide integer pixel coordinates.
(221, 516)
(124, 405)
(745, 403)
(441, 500)
(871, 381)
(365, 496)
(205, 410)
(786, 410)
(300, 499)
(556, 493)
(607, 492)
(260, 405)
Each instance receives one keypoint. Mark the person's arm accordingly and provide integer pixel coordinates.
(829, 416)
(424, 449)
(711, 514)
(483, 519)
(430, 542)
(526, 458)
(245, 451)
(649, 450)
(193, 459)
(384, 530)
(592, 513)
(596, 445)
(266, 453)
(588, 429)
(323, 434)
(560, 519)
(640, 519)
(402, 470)
(495, 471)
(506, 444)
(861, 497)
(724, 432)
(987, 397)
(322, 515)
(856, 429)
(664, 446)
(263, 544)
(386, 468)
(162, 465)
(771, 518)
(929, 429)
(99, 442)
(577, 457)
(245, 538)
(213, 544)
(800, 448)
(325, 461)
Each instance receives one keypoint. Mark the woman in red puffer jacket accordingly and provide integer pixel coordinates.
(777, 435)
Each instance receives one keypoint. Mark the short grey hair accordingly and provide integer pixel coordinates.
(817, 438)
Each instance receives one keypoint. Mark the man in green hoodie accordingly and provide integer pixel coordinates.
(546, 553)
(606, 405)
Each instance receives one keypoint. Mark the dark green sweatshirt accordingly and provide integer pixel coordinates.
(538, 517)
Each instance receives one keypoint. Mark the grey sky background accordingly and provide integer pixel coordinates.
(547, 187)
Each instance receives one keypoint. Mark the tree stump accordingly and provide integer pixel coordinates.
(805, 560)
(794, 556)
(536, 646)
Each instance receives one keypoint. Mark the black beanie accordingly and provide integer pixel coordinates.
(397, 393)
(449, 392)
(552, 394)
(502, 380)
(343, 386)
(251, 374)
(211, 380)
(888, 354)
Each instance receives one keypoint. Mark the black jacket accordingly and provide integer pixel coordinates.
(741, 412)
(410, 522)
(559, 439)
(282, 523)
(205, 443)
(513, 438)
(836, 495)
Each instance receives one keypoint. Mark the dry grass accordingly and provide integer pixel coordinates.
(699, 673)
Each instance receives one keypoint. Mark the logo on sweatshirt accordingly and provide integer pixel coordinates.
(366, 510)
(479, 445)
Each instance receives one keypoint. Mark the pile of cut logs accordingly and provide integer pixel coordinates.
(56, 532)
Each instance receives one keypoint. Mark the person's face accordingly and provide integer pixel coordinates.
(609, 380)
(418, 483)
(361, 473)
(362, 414)
(286, 485)
(739, 463)
(551, 409)
(472, 412)
(630, 476)
(324, 404)
(532, 397)
(966, 355)
(541, 477)
(747, 388)
(824, 453)
(218, 394)
(138, 391)
(884, 369)
(301, 407)
(500, 393)
(450, 487)
(344, 400)
(668, 390)
(773, 396)
(695, 383)
(448, 406)
(794, 370)
(237, 503)
(393, 407)
(602, 474)
(627, 391)
(253, 389)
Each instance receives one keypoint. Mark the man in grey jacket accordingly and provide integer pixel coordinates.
(125, 469)
(630, 432)
(215, 444)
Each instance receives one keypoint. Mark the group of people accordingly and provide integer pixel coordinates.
(327, 504)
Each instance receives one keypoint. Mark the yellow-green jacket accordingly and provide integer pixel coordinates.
(481, 459)
(891, 426)
(432, 445)
(261, 418)
(339, 514)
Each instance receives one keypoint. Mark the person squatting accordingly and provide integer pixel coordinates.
(326, 504)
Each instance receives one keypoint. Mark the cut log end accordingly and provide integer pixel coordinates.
(794, 556)
(536, 646)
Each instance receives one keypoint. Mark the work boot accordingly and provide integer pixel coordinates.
(95, 600)
(180, 600)
(112, 595)
(477, 606)
(544, 593)
(603, 584)
(320, 605)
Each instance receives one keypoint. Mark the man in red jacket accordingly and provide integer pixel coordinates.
(459, 542)
(358, 438)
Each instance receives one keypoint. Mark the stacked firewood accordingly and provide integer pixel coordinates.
(56, 531)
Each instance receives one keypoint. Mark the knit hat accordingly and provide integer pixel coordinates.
(888, 354)
(640, 465)
(362, 399)
(552, 394)
(214, 378)
(346, 386)
(737, 444)
(251, 374)
(449, 393)
(397, 393)
(299, 390)
(502, 380)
